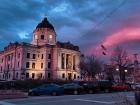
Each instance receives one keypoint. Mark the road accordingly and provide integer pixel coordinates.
(88, 99)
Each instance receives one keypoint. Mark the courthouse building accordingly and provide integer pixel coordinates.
(43, 58)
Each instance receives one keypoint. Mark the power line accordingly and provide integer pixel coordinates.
(110, 14)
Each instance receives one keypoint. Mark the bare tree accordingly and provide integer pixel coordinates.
(121, 60)
(90, 66)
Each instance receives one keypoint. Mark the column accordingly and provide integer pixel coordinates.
(65, 66)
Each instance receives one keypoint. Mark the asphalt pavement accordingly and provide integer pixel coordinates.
(86, 99)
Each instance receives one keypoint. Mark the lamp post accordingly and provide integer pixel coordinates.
(118, 76)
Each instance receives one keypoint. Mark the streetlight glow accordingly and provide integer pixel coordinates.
(117, 69)
(125, 70)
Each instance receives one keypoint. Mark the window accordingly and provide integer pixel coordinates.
(49, 75)
(34, 56)
(78, 77)
(18, 64)
(18, 55)
(62, 60)
(27, 64)
(28, 55)
(9, 75)
(63, 75)
(42, 56)
(49, 65)
(9, 58)
(1, 69)
(33, 65)
(17, 75)
(36, 37)
(49, 56)
(27, 75)
(50, 36)
(74, 76)
(40, 75)
(74, 62)
(42, 37)
(33, 75)
(3, 76)
(8, 66)
(41, 65)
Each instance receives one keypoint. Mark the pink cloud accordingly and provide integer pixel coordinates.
(125, 35)
(114, 39)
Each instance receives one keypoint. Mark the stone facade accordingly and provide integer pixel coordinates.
(44, 58)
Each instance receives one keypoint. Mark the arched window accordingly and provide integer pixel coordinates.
(42, 37)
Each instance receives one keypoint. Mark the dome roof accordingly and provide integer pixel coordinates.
(45, 24)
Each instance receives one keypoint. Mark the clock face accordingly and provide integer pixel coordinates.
(50, 36)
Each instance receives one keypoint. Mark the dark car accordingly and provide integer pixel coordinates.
(72, 88)
(105, 85)
(90, 87)
(49, 89)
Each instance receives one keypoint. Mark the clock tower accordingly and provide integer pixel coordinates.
(44, 34)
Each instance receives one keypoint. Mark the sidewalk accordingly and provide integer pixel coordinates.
(12, 94)
(5, 103)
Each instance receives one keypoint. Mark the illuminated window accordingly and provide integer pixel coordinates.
(50, 36)
(36, 37)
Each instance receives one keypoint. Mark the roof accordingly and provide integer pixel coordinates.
(67, 45)
(45, 24)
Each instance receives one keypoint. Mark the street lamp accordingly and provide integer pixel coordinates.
(117, 69)
(125, 71)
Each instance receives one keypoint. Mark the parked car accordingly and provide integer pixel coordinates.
(72, 88)
(48, 89)
(120, 87)
(135, 86)
(90, 87)
(105, 85)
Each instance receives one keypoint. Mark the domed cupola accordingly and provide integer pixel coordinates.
(44, 33)
(45, 24)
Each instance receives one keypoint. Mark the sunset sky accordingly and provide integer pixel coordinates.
(87, 23)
